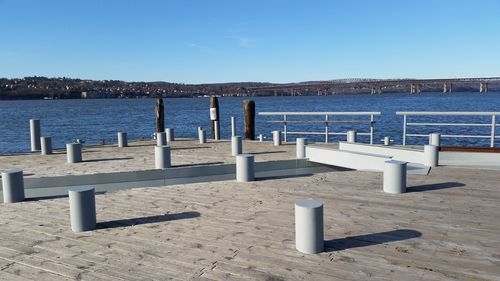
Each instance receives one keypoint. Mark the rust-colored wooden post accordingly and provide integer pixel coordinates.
(249, 112)
(160, 121)
(214, 116)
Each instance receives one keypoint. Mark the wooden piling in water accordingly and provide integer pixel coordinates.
(160, 120)
(214, 116)
(249, 112)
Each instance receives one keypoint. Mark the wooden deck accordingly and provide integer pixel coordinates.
(446, 228)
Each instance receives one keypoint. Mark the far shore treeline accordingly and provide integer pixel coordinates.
(68, 88)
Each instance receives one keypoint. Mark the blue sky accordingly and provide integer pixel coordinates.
(260, 40)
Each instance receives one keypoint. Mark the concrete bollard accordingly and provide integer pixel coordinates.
(431, 154)
(301, 147)
(261, 137)
(202, 136)
(161, 138)
(233, 126)
(387, 141)
(277, 138)
(351, 136)
(82, 208)
(394, 176)
(35, 134)
(122, 139)
(162, 157)
(435, 139)
(217, 130)
(46, 145)
(13, 186)
(245, 168)
(74, 152)
(170, 134)
(309, 236)
(236, 145)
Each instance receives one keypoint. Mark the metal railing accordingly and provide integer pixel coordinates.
(490, 136)
(328, 118)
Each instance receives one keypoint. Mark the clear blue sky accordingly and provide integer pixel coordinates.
(259, 40)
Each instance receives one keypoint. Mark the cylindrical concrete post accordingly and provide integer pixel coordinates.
(394, 176)
(202, 136)
(277, 138)
(301, 147)
(46, 145)
(74, 152)
(82, 208)
(170, 134)
(35, 134)
(351, 136)
(435, 139)
(387, 141)
(236, 145)
(161, 138)
(233, 126)
(245, 168)
(309, 236)
(431, 154)
(162, 157)
(217, 130)
(122, 139)
(261, 137)
(13, 186)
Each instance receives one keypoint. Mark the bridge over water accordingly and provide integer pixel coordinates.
(377, 86)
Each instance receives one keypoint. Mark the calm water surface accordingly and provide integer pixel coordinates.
(94, 119)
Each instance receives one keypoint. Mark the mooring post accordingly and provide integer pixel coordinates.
(387, 141)
(351, 136)
(160, 113)
(435, 139)
(214, 116)
(277, 138)
(162, 157)
(233, 126)
(122, 139)
(431, 154)
(13, 186)
(394, 176)
(301, 147)
(82, 208)
(309, 235)
(170, 134)
(161, 138)
(46, 145)
(236, 145)
(245, 167)
(202, 136)
(249, 113)
(35, 134)
(74, 152)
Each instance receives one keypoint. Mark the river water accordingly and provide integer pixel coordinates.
(95, 119)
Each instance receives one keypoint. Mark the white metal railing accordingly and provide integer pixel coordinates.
(328, 118)
(490, 136)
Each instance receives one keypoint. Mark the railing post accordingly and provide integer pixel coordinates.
(493, 127)
(404, 129)
(326, 128)
(371, 128)
(285, 128)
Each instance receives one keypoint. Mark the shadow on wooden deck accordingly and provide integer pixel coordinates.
(370, 239)
(434, 186)
(146, 220)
